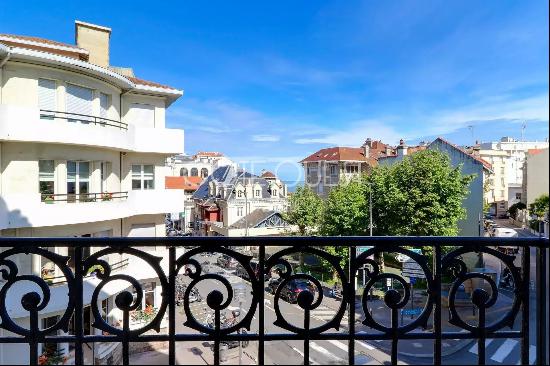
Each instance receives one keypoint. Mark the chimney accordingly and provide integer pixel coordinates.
(402, 148)
(94, 39)
(366, 147)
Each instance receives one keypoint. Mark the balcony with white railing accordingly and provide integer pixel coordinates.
(28, 124)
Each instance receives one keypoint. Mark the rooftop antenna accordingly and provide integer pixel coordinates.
(471, 128)
(523, 127)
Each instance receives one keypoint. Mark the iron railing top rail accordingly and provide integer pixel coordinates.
(296, 241)
(89, 118)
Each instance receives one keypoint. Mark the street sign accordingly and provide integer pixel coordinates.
(363, 249)
(412, 280)
(415, 274)
(415, 311)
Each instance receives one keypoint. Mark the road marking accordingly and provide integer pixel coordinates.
(504, 350)
(321, 312)
(269, 307)
(324, 351)
(302, 354)
(338, 344)
(473, 349)
(366, 345)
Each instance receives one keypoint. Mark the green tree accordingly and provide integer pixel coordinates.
(513, 210)
(540, 206)
(305, 210)
(421, 195)
(346, 210)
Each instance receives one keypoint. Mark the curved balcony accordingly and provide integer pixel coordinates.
(26, 124)
(37, 210)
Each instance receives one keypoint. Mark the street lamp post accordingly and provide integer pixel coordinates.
(240, 291)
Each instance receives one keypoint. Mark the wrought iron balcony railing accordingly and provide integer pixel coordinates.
(447, 261)
(83, 197)
(82, 118)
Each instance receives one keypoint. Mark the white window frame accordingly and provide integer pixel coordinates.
(78, 177)
(142, 179)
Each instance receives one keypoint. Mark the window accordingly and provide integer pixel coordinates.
(47, 97)
(183, 172)
(46, 181)
(239, 211)
(104, 104)
(518, 196)
(80, 102)
(194, 172)
(274, 192)
(50, 348)
(352, 169)
(204, 172)
(258, 193)
(148, 295)
(143, 176)
(105, 310)
(332, 169)
(105, 171)
(78, 180)
(502, 170)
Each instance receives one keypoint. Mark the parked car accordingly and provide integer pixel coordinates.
(291, 290)
(503, 232)
(241, 272)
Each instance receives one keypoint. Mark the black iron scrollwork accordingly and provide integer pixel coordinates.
(33, 302)
(392, 298)
(125, 300)
(306, 299)
(215, 299)
(480, 297)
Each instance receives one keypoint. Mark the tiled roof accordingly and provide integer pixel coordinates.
(209, 153)
(268, 174)
(483, 162)
(186, 183)
(15, 37)
(535, 151)
(148, 83)
(340, 154)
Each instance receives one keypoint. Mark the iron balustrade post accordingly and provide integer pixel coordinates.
(394, 340)
(436, 250)
(542, 280)
(33, 337)
(526, 270)
(261, 304)
(351, 300)
(306, 336)
(78, 311)
(125, 341)
(172, 305)
(217, 334)
(482, 336)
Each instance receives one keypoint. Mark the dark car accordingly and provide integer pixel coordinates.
(291, 290)
(241, 272)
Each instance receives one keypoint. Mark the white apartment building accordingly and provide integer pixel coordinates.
(507, 157)
(83, 147)
(202, 164)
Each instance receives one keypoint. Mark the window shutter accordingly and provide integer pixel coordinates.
(79, 99)
(104, 103)
(46, 94)
(143, 115)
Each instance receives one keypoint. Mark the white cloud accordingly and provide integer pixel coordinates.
(502, 108)
(266, 138)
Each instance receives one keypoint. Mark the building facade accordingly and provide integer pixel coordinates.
(202, 164)
(507, 157)
(83, 147)
(535, 179)
(237, 203)
(326, 168)
(481, 169)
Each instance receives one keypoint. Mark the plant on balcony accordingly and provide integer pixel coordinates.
(107, 196)
(52, 357)
(94, 269)
(145, 315)
(49, 199)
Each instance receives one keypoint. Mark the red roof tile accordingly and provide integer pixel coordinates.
(268, 174)
(186, 183)
(147, 83)
(340, 154)
(45, 45)
(535, 151)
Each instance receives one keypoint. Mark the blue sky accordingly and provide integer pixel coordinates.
(268, 83)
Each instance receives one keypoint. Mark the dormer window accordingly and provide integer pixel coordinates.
(274, 192)
(240, 194)
(258, 193)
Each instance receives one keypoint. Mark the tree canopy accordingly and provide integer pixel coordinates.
(305, 210)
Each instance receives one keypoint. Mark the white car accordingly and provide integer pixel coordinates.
(503, 232)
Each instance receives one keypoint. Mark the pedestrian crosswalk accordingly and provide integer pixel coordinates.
(504, 351)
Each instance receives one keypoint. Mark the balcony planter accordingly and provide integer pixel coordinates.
(49, 200)
(106, 196)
